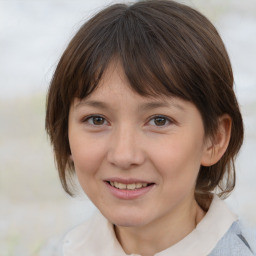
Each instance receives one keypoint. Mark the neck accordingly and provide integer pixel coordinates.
(162, 233)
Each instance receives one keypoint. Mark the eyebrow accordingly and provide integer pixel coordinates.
(160, 104)
(142, 107)
(92, 103)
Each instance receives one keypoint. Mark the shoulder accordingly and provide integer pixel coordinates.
(236, 241)
(81, 231)
(76, 237)
(93, 237)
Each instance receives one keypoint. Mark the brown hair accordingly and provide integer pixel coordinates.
(166, 48)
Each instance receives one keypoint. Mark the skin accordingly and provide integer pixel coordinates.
(124, 139)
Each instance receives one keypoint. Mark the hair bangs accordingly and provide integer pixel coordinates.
(133, 42)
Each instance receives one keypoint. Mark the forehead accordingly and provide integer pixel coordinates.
(114, 83)
(114, 90)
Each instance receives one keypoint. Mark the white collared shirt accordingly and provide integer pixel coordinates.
(97, 237)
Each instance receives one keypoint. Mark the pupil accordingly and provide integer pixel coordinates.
(160, 121)
(98, 120)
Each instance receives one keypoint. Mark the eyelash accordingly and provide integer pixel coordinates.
(86, 120)
(165, 118)
(152, 118)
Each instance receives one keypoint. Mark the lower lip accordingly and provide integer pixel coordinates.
(127, 194)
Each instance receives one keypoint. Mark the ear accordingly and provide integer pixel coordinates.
(216, 146)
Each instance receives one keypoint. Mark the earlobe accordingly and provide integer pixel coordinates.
(216, 147)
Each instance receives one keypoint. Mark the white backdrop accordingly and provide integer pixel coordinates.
(34, 211)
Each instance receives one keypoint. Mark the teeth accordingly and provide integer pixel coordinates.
(120, 185)
(131, 186)
(144, 185)
(139, 185)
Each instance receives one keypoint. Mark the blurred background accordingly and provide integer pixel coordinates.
(34, 211)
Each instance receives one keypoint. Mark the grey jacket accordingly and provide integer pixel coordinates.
(236, 243)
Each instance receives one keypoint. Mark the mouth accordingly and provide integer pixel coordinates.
(129, 186)
(130, 189)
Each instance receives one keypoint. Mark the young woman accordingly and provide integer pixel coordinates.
(142, 109)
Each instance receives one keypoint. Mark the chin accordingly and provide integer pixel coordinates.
(127, 219)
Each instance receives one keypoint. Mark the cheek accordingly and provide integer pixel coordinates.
(178, 159)
(86, 156)
(87, 159)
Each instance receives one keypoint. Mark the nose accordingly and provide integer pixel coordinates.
(125, 149)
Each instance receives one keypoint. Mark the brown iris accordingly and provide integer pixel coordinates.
(97, 120)
(160, 121)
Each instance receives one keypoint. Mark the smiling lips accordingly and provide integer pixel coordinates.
(131, 186)
(128, 190)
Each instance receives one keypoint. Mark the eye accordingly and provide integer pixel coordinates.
(96, 120)
(159, 121)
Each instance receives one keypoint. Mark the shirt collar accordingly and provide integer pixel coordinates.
(97, 236)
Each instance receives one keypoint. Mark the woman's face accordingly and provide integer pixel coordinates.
(137, 158)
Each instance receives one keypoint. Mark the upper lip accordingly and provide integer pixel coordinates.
(127, 181)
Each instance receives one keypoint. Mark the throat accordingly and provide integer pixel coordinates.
(156, 237)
